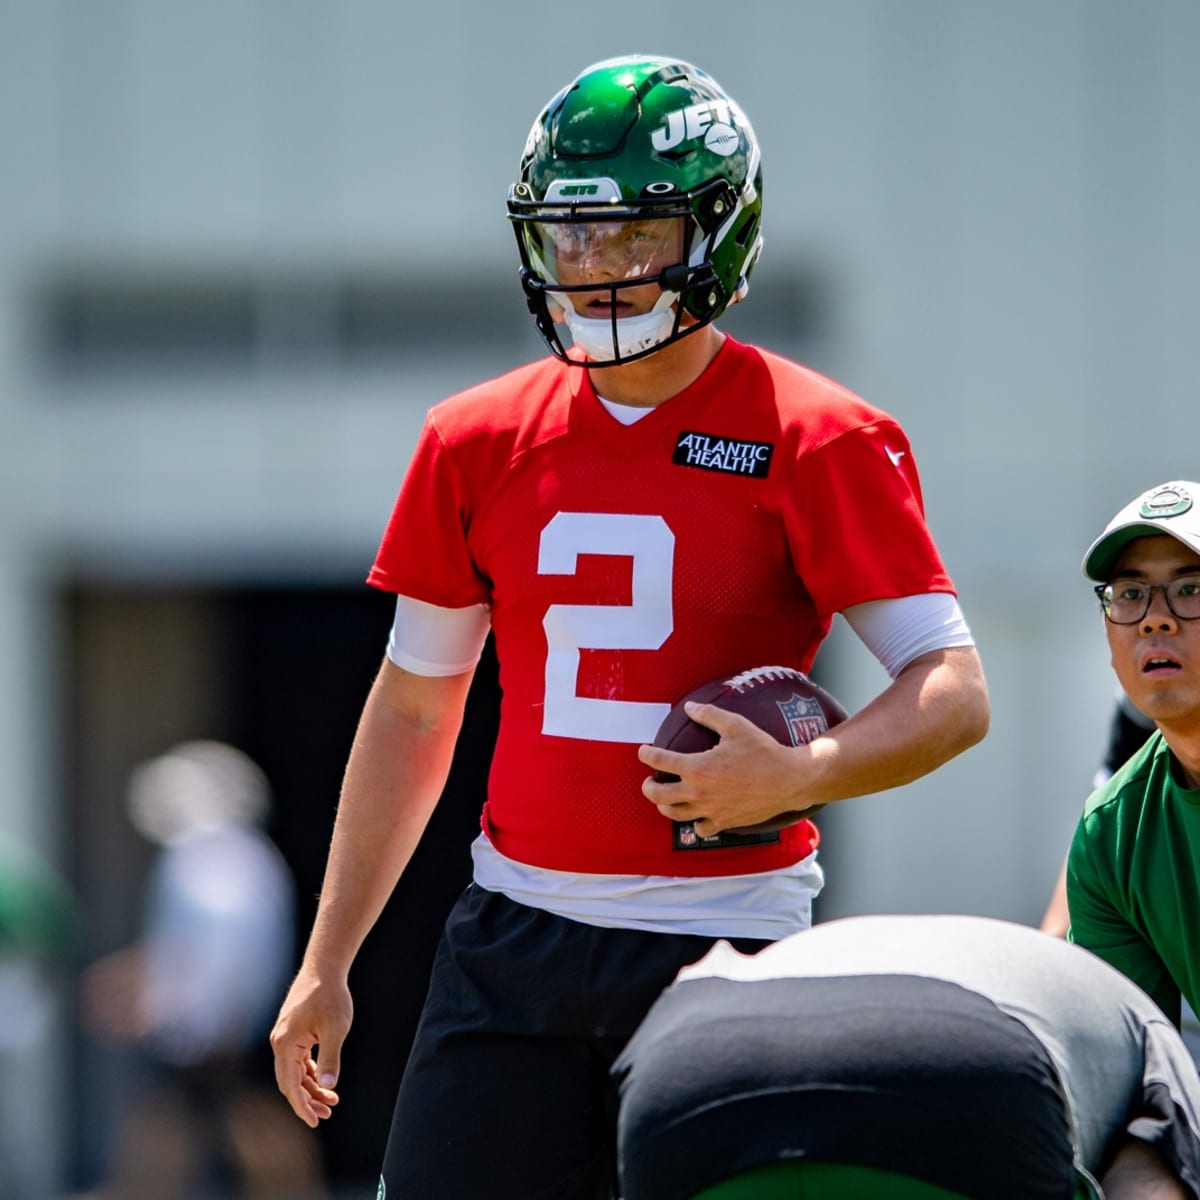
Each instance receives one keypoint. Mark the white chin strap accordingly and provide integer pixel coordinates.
(594, 335)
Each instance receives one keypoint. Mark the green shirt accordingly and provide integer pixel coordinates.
(1133, 878)
(38, 913)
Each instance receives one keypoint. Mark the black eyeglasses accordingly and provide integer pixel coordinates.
(1127, 601)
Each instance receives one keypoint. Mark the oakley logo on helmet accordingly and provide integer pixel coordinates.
(713, 120)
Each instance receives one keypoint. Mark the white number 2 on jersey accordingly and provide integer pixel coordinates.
(642, 625)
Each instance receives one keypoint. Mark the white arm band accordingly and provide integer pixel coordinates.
(897, 631)
(429, 640)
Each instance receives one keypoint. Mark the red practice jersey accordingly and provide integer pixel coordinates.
(625, 565)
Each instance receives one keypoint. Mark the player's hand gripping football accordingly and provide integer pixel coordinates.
(748, 777)
(307, 1041)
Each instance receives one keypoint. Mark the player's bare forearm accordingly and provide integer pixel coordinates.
(936, 708)
(1056, 920)
(396, 772)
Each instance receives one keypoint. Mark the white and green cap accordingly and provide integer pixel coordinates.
(1169, 508)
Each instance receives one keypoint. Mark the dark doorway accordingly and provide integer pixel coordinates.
(281, 672)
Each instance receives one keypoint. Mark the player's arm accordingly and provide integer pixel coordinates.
(1099, 925)
(395, 775)
(935, 708)
(1056, 920)
(1128, 729)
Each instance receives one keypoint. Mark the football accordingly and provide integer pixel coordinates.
(781, 701)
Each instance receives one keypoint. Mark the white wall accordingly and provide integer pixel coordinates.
(1002, 197)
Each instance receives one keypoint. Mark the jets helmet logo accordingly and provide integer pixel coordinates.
(713, 120)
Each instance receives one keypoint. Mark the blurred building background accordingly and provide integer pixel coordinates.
(244, 245)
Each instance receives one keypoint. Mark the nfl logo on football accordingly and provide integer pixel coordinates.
(804, 718)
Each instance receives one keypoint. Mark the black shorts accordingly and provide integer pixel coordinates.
(507, 1093)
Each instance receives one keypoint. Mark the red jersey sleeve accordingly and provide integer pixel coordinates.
(857, 525)
(424, 552)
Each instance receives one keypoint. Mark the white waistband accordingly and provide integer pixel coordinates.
(768, 905)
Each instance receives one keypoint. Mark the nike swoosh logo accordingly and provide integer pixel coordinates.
(894, 455)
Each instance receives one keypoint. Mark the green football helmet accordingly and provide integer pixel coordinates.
(641, 171)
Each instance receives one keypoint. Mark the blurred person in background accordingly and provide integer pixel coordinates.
(1128, 730)
(195, 993)
(39, 930)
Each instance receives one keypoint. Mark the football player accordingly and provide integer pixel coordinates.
(648, 507)
(907, 1058)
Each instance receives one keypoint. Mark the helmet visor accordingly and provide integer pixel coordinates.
(582, 253)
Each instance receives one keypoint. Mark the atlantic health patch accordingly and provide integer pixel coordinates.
(712, 453)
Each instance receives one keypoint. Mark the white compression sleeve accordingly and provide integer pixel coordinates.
(899, 630)
(427, 639)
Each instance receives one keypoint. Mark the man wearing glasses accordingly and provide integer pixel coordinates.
(1132, 880)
